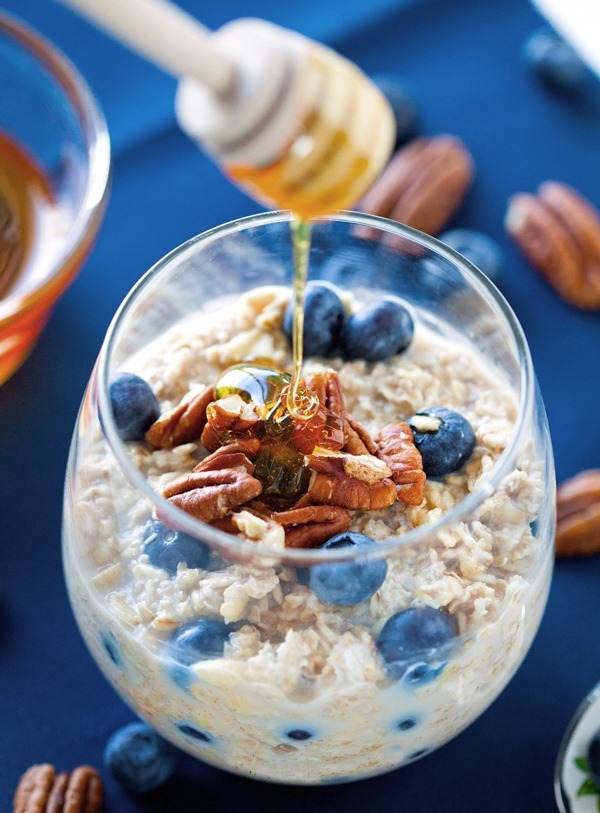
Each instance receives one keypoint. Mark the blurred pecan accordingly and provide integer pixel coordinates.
(253, 526)
(397, 449)
(184, 423)
(40, 790)
(357, 482)
(326, 427)
(359, 440)
(558, 231)
(578, 515)
(210, 439)
(208, 495)
(423, 185)
(312, 525)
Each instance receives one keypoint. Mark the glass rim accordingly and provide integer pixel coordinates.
(96, 141)
(240, 548)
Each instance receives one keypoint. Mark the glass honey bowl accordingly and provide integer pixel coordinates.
(54, 176)
(339, 661)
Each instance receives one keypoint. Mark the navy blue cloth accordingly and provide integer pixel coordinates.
(463, 62)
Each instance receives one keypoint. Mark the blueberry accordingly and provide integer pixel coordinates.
(324, 315)
(594, 757)
(166, 548)
(348, 582)
(378, 331)
(554, 61)
(403, 106)
(109, 642)
(478, 248)
(299, 734)
(194, 733)
(445, 439)
(200, 640)
(134, 406)
(139, 758)
(415, 637)
(406, 724)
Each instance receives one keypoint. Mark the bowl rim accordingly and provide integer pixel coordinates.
(96, 142)
(239, 548)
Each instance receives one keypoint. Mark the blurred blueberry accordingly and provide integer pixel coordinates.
(324, 315)
(134, 406)
(109, 642)
(406, 724)
(478, 248)
(402, 103)
(420, 674)
(446, 442)
(415, 637)
(378, 331)
(554, 61)
(348, 583)
(139, 758)
(594, 757)
(200, 640)
(194, 733)
(166, 548)
(299, 734)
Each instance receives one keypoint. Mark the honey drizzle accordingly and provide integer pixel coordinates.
(300, 404)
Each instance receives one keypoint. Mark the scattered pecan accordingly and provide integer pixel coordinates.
(232, 415)
(210, 439)
(310, 526)
(578, 515)
(397, 449)
(558, 231)
(359, 440)
(357, 482)
(326, 427)
(184, 423)
(209, 495)
(423, 185)
(41, 790)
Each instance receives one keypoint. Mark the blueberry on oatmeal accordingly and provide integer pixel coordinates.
(348, 583)
(139, 758)
(167, 548)
(378, 331)
(445, 439)
(478, 248)
(324, 315)
(414, 638)
(134, 406)
(202, 639)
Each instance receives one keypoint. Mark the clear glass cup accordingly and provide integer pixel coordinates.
(298, 689)
(53, 137)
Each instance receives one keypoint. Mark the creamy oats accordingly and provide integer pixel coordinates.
(301, 693)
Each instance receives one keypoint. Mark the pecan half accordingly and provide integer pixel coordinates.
(397, 449)
(357, 482)
(312, 525)
(231, 456)
(209, 495)
(40, 790)
(359, 440)
(232, 415)
(184, 423)
(423, 185)
(578, 515)
(558, 231)
(326, 427)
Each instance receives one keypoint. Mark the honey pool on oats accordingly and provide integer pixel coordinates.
(323, 672)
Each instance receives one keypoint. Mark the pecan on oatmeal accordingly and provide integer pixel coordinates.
(311, 525)
(397, 449)
(183, 423)
(357, 482)
(209, 495)
(326, 427)
(359, 441)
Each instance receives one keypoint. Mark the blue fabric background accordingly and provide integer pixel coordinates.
(462, 59)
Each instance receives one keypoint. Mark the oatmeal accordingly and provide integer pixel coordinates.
(295, 683)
